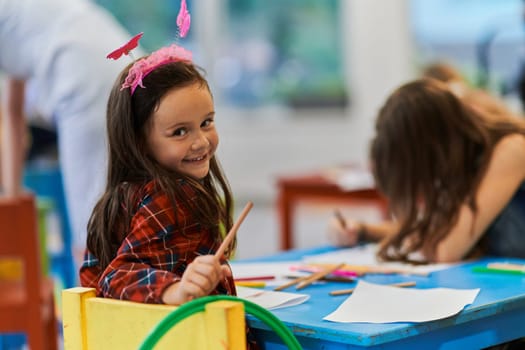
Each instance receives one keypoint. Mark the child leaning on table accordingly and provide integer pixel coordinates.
(454, 179)
(153, 233)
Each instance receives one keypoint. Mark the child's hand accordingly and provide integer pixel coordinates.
(200, 279)
(346, 234)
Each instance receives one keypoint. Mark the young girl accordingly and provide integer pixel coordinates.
(453, 177)
(152, 234)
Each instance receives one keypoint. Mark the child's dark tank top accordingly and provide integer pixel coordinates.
(506, 235)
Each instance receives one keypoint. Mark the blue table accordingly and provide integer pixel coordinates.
(497, 314)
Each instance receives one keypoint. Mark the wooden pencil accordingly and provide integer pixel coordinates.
(351, 290)
(231, 235)
(507, 266)
(291, 283)
(340, 218)
(318, 275)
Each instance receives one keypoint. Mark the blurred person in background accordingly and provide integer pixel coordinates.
(454, 180)
(485, 102)
(486, 105)
(58, 48)
(446, 73)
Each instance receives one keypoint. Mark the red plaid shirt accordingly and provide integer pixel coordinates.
(154, 253)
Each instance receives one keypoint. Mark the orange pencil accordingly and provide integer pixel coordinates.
(318, 275)
(307, 280)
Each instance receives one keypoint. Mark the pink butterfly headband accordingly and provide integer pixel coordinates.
(162, 56)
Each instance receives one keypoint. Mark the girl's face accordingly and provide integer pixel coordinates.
(181, 134)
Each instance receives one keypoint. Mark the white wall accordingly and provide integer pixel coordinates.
(257, 145)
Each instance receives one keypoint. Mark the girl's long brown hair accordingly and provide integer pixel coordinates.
(130, 166)
(429, 155)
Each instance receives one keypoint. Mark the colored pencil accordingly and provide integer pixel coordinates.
(313, 276)
(291, 283)
(339, 273)
(484, 269)
(251, 284)
(340, 218)
(317, 276)
(507, 266)
(254, 278)
(330, 279)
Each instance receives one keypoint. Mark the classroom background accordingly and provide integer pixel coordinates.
(297, 83)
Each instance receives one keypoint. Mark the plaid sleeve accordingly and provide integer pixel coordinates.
(89, 271)
(156, 251)
(145, 262)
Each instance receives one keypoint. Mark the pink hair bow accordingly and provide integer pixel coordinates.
(143, 67)
(164, 55)
(126, 48)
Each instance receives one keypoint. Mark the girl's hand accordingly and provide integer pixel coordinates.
(200, 279)
(344, 233)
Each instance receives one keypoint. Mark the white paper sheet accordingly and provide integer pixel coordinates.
(269, 299)
(365, 255)
(373, 303)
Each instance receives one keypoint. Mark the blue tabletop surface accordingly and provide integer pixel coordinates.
(501, 299)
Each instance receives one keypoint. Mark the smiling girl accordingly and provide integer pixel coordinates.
(153, 233)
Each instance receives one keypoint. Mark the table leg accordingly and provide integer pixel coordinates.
(284, 205)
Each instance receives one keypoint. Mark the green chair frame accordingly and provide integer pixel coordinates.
(198, 305)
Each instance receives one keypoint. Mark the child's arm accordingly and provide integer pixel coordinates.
(157, 254)
(200, 278)
(504, 175)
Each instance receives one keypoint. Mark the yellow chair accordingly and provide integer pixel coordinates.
(212, 322)
(92, 323)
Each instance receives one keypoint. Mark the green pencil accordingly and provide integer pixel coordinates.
(484, 269)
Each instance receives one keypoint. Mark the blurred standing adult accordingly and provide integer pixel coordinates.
(59, 48)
